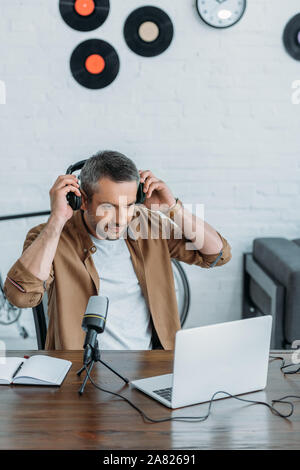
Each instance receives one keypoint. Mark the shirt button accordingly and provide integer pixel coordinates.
(85, 250)
(93, 249)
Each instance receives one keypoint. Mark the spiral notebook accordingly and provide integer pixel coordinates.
(37, 370)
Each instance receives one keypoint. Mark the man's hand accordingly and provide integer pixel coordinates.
(156, 190)
(38, 256)
(60, 209)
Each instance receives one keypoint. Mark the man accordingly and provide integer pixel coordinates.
(99, 250)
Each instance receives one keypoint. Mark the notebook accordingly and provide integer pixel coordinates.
(37, 370)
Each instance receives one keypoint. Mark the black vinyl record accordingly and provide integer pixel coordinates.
(84, 15)
(148, 31)
(291, 37)
(94, 63)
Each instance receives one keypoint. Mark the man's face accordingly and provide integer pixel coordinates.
(111, 209)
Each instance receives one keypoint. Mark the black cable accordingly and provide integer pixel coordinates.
(203, 418)
(284, 365)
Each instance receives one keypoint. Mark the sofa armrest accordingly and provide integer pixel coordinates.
(278, 256)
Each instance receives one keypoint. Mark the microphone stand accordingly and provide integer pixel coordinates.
(95, 357)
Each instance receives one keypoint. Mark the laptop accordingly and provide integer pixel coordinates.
(232, 357)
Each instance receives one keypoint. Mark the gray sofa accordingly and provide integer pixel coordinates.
(272, 286)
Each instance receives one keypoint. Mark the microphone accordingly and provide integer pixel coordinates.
(93, 322)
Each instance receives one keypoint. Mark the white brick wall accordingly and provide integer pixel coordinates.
(212, 116)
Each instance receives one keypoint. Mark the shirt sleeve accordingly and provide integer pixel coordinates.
(177, 250)
(22, 288)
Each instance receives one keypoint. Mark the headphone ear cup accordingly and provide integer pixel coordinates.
(140, 195)
(74, 201)
(78, 203)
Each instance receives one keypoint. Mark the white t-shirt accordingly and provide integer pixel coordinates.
(128, 322)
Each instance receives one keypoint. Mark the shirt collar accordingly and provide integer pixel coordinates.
(78, 223)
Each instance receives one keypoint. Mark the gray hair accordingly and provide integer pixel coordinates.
(109, 164)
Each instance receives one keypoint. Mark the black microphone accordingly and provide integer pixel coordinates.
(93, 323)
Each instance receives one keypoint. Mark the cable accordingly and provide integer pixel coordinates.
(203, 418)
(284, 365)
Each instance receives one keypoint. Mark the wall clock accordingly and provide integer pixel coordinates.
(221, 13)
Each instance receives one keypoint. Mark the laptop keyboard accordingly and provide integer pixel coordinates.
(165, 393)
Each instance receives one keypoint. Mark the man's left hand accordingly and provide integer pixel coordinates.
(156, 190)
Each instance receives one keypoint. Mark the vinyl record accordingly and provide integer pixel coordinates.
(148, 31)
(291, 37)
(94, 63)
(84, 15)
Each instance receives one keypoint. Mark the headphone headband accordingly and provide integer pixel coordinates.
(75, 166)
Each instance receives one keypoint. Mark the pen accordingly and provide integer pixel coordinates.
(15, 373)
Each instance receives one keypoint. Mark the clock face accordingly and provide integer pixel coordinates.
(221, 13)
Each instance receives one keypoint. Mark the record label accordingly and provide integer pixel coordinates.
(84, 15)
(148, 31)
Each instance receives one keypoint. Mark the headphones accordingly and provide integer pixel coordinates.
(75, 201)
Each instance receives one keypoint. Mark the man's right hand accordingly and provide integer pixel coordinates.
(38, 256)
(60, 209)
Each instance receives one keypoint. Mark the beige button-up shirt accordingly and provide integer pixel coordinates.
(74, 278)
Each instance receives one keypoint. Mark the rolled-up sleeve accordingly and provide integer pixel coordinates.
(178, 250)
(22, 288)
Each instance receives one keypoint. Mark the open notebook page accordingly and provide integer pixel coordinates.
(8, 366)
(43, 370)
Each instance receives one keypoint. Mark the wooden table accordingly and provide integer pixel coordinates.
(37, 417)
